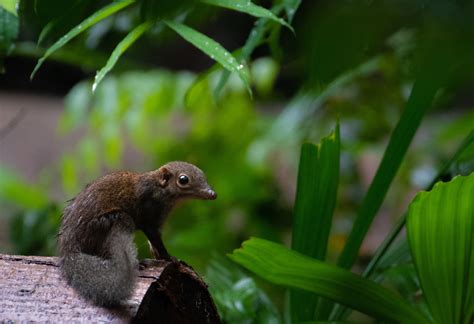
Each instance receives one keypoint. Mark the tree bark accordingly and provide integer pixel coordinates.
(32, 289)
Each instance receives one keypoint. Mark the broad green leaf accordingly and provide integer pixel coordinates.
(8, 32)
(19, 192)
(279, 265)
(318, 179)
(440, 230)
(250, 8)
(119, 50)
(213, 49)
(418, 104)
(84, 25)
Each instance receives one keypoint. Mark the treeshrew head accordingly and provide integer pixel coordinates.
(183, 180)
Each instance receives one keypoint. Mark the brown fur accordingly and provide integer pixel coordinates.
(96, 247)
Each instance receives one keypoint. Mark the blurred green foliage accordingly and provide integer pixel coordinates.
(352, 61)
(237, 296)
(34, 232)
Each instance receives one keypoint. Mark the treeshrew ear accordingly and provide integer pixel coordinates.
(164, 176)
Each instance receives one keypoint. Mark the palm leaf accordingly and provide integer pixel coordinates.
(279, 265)
(440, 229)
(318, 179)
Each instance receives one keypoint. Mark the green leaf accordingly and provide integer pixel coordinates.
(119, 50)
(8, 32)
(255, 38)
(84, 25)
(419, 102)
(279, 265)
(290, 7)
(250, 8)
(213, 49)
(440, 229)
(47, 29)
(273, 41)
(318, 179)
(10, 5)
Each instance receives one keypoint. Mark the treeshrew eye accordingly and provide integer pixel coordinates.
(183, 179)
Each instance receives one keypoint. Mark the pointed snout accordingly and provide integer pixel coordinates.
(208, 193)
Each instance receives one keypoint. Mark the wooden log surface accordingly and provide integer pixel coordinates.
(32, 289)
